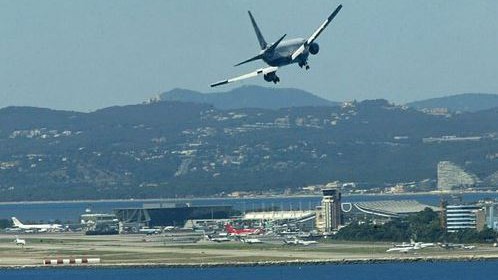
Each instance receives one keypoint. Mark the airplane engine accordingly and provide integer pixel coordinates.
(271, 77)
(314, 48)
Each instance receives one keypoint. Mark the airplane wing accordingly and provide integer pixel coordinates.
(315, 34)
(261, 71)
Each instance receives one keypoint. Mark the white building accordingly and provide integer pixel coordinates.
(460, 217)
(451, 176)
(329, 217)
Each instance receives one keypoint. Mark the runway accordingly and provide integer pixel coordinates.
(137, 249)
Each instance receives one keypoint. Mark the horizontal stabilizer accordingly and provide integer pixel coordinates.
(259, 56)
(274, 45)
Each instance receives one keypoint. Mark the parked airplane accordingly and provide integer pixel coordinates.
(297, 241)
(456, 246)
(281, 52)
(423, 245)
(251, 241)
(404, 249)
(19, 241)
(149, 231)
(413, 243)
(218, 239)
(37, 227)
(242, 232)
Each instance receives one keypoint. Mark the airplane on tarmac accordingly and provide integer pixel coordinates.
(37, 227)
(413, 243)
(281, 52)
(456, 246)
(218, 239)
(19, 241)
(404, 249)
(242, 232)
(251, 241)
(297, 241)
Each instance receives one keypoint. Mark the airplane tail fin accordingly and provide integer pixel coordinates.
(16, 222)
(229, 228)
(261, 39)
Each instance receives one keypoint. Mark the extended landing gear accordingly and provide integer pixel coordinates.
(305, 65)
(272, 77)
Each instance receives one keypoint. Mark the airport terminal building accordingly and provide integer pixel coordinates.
(169, 214)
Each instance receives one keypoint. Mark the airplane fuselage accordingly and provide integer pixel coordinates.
(282, 54)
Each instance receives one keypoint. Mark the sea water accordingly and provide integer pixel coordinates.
(71, 211)
(384, 271)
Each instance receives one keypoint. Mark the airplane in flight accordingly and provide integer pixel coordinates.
(281, 52)
(242, 232)
(37, 227)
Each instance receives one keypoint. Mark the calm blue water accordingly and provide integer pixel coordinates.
(70, 211)
(395, 271)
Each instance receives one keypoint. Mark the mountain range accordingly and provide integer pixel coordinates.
(178, 149)
(467, 102)
(250, 97)
(276, 98)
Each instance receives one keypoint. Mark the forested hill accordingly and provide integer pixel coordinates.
(467, 102)
(174, 149)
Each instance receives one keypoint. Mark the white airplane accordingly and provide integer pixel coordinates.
(413, 243)
(296, 241)
(251, 241)
(218, 239)
(282, 52)
(404, 249)
(423, 245)
(149, 231)
(19, 241)
(37, 227)
(456, 246)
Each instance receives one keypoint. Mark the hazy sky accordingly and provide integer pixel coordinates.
(89, 54)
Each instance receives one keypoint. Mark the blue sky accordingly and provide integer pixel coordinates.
(85, 55)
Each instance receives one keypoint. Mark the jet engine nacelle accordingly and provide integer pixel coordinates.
(314, 48)
(271, 77)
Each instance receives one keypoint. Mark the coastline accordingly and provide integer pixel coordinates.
(142, 251)
(373, 261)
(435, 193)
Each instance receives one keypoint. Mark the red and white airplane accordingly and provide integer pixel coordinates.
(242, 232)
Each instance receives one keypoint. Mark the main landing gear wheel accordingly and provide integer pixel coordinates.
(304, 64)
